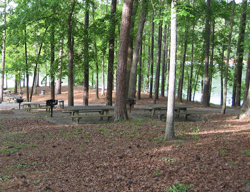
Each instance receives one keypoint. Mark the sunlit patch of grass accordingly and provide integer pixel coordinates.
(179, 188)
(247, 153)
(169, 160)
(3, 177)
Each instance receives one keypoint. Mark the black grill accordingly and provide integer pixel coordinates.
(51, 103)
(19, 101)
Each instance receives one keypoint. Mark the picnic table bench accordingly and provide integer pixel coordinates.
(79, 112)
(158, 108)
(13, 98)
(34, 105)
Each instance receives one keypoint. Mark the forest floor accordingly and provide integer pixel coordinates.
(211, 152)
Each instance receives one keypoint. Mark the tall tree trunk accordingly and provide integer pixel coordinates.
(96, 62)
(240, 52)
(3, 54)
(16, 84)
(205, 98)
(52, 60)
(152, 59)
(71, 56)
(138, 43)
(157, 74)
(245, 110)
(222, 74)
(59, 74)
(148, 71)
(103, 73)
(211, 60)
(36, 66)
(191, 70)
(111, 53)
(131, 44)
(180, 86)
(164, 63)
(140, 76)
(26, 65)
(247, 77)
(86, 57)
(120, 107)
(169, 132)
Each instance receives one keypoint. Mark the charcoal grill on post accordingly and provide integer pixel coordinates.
(130, 102)
(51, 103)
(19, 101)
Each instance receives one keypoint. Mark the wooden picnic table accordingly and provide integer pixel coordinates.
(89, 111)
(13, 98)
(33, 105)
(157, 108)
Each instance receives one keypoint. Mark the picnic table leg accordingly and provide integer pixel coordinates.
(152, 113)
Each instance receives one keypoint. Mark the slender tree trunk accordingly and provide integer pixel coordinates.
(164, 63)
(205, 97)
(152, 59)
(26, 64)
(3, 54)
(71, 56)
(191, 70)
(16, 84)
(111, 53)
(59, 78)
(52, 60)
(221, 74)
(140, 76)
(130, 45)
(120, 107)
(36, 66)
(86, 57)
(138, 43)
(247, 77)
(180, 86)
(211, 60)
(103, 74)
(37, 77)
(169, 133)
(157, 74)
(148, 71)
(240, 52)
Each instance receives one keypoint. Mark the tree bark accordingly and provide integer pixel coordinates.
(35, 69)
(59, 78)
(180, 86)
(26, 65)
(120, 107)
(164, 63)
(157, 74)
(191, 70)
(152, 59)
(245, 110)
(240, 52)
(111, 53)
(148, 71)
(138, 43)
(205, 97)
(140, 76)
(71, 56)
(3, 54)
(130, 45)
(86, 57)
(211, 60)
(247, 77)
(169, 132)
(52, 61)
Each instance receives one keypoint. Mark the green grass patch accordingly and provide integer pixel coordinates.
(179, 188)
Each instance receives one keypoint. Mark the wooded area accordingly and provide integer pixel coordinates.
(129, 47)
